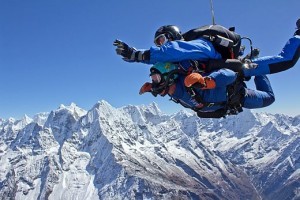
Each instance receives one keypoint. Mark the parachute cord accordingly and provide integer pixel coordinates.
(251, 47)
(212, 12)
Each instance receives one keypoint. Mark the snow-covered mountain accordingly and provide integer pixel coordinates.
(138, 152)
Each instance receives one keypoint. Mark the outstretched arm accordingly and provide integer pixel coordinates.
(173, 51)
(177, 51)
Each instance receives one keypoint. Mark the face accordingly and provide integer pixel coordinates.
(160, 40)
(156, 78)
(157, 83)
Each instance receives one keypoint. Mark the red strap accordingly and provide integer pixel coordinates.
(231, 54)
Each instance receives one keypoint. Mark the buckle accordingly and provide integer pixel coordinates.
(191, 91)
(210, 105)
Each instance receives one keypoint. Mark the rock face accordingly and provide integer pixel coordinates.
(138, 152)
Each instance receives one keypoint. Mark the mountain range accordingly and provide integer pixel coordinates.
(139, 152)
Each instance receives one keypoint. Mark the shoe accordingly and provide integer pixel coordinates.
(297, 27)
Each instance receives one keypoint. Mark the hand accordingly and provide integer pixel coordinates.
(198, 81)
(209, 83)
(147, 87)
(130, 54)
(194, 78)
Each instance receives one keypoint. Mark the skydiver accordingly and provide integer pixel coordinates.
(210, 99)
(170, 47)
(212, 95)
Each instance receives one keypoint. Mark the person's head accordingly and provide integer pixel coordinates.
(163, 75)
(167, 33)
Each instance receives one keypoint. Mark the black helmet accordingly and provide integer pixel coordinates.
(170, 31)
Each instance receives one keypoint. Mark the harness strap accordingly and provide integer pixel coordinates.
(232, 106)
(200, 100)
(216, 114)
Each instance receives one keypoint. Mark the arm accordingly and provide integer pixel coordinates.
(174, 51)
(177, 51)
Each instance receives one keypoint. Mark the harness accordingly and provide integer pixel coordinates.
(225, 41)
(235, 93)
(233, 105)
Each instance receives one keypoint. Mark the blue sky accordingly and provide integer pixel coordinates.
(56, 52)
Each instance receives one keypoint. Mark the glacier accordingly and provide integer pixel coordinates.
(139, 152)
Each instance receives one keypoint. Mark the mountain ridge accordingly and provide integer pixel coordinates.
(138, 152)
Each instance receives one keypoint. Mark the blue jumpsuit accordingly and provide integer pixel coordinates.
(261, 97)
(201, 49)
(222, 77)
(278, 63)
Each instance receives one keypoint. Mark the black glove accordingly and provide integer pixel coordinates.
(130, 54)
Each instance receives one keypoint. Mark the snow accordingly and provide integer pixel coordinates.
(138, 151)
(295, 175)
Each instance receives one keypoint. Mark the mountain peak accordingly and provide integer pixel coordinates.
(154, 107)
(72, 109)
(139, 152)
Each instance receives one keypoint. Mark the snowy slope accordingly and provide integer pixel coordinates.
(138, 152)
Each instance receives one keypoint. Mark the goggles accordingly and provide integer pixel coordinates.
(160, 40)
(156, 78)
(158, 86)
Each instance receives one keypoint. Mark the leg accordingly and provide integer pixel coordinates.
(274, 64)
(261, 97)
